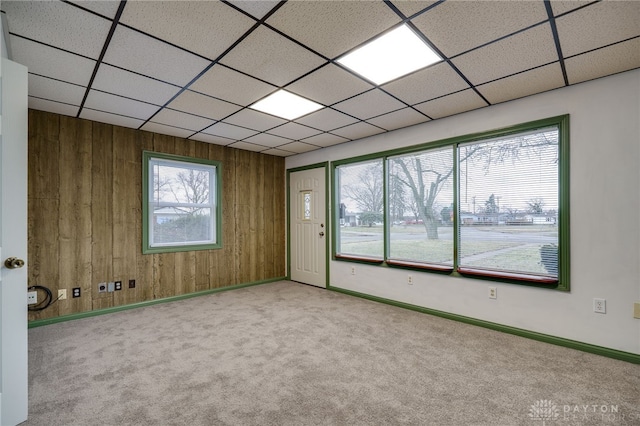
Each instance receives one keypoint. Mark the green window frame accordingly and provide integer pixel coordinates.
(181, 203)
(448, 171)
(360, 183)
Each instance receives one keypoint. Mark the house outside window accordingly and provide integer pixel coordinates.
(489, 205)
(181, 206)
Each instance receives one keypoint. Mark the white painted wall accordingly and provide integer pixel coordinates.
(605, 182)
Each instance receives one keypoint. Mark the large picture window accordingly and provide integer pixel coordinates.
(493, 205)
(181, 205)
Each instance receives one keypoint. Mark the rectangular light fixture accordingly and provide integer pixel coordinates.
(286, 105)
(392, 55)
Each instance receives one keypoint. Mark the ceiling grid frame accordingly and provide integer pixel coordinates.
(302, 134)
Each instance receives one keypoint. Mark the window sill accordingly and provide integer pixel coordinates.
(424, 266)
(362, 259)
(534, 279)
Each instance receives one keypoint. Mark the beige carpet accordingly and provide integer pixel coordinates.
(289, 354)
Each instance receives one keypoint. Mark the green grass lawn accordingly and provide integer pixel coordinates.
(440, 251)
(525, 258)
(521, 257)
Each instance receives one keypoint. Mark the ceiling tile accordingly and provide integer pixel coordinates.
(231, 86)
(203, 137)
(267, 140)
(55, 90)
(294, 131)
(610, 60)
(401, 118)
(183, 120)
(125, 83)
(278, 152)
(326, 119)
(328, 85)
(254, 120)
(229, 131)
(137, 52)
(325, 139)
(411, 7)
(517, 53)
(49, 106)
(189, 21)
(357, 131)
(166, 130)
(50, 62)
(523, 84)
(562, 6)
(105, 117)
(58, 24)
(248, 146)
(117, 104)
(452, 104)
(298, 147)
(206, 106)
(256, 8)
(430, 83)
(457, 26)
(271, 57)
(369, 104)
(107, 8)
(333, 27)
(598, 25)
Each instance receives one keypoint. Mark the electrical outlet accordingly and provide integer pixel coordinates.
(102, 287)
(410, 279)
(132, 283)
(118, 285)
(353, 270)
(600, 306)
(493, 293)
(110, 286)
(32, 297)
(62, 294)
(636, 310)
(75, 292)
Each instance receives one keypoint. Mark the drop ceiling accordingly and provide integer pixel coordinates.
(192, 68)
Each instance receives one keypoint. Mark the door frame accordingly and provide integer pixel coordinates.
(328, 220)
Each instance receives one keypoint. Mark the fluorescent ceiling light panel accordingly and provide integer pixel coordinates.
(397, 53)
(286, 105)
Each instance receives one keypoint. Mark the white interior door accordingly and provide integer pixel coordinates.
(13, 244)
(308, 233)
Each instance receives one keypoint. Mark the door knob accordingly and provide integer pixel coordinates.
(321, 234)
(14, 263)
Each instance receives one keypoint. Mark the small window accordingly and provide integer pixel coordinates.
(361, 195)
(306, 208)
(181, 209)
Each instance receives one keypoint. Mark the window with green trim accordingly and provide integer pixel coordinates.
(420, 201)
(181, 206)
(491, 205)
(508, 205)
(361, 205)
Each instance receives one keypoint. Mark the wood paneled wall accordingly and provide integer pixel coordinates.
(85, 216)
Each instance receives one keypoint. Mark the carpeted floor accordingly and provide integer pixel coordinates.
(290, 354)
